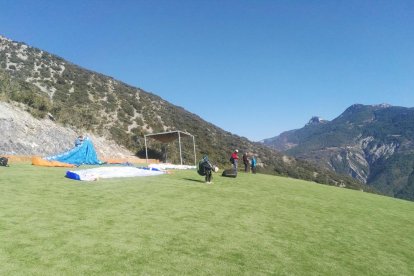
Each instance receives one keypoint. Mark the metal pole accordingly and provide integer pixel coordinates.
(179, 143)
(195, 157)
(146, 151)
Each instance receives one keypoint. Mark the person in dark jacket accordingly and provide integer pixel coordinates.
(205, 168)
(246, 162)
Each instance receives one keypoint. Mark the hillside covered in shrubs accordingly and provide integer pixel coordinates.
(82, 99)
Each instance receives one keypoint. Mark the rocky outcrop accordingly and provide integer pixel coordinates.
(315, 120)
(22, 134)
(357, 159)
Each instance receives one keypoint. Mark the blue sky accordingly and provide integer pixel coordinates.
(254, 68)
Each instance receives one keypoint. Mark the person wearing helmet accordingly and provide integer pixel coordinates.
(235, 160)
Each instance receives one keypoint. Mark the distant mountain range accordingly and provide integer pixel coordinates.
(48, 86)
(371, 143)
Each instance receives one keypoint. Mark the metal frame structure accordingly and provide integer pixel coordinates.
(170, 136)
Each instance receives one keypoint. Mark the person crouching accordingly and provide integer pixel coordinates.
(205, 168)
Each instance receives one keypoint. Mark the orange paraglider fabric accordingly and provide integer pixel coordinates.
(37, 161)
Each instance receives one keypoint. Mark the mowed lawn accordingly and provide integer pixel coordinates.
(175, 224)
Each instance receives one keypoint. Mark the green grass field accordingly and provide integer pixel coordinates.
(175, 224)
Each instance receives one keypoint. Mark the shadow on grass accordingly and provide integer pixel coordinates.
(194, 180)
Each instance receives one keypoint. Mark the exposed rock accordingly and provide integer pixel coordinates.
(359, 157)
(316, 120)
(287, 159)
(22, 134)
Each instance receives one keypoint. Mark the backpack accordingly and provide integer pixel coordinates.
(232, 160)
(229, 173)
(3, 161)
(201, 169)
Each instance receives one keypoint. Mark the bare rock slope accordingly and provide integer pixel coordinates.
(22, 134)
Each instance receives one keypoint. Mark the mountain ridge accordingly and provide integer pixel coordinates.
(371, 143)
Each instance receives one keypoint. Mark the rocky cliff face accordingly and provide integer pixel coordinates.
(357, 159)
(373, 144)
(22, 134)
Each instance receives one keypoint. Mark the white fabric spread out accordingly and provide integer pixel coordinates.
(111, 172)
(167, 166)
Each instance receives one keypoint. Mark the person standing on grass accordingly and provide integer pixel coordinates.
(235, 160)
(254, 163)
(246, 162)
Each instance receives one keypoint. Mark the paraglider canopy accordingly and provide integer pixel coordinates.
(167, 137)
(84, 153)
